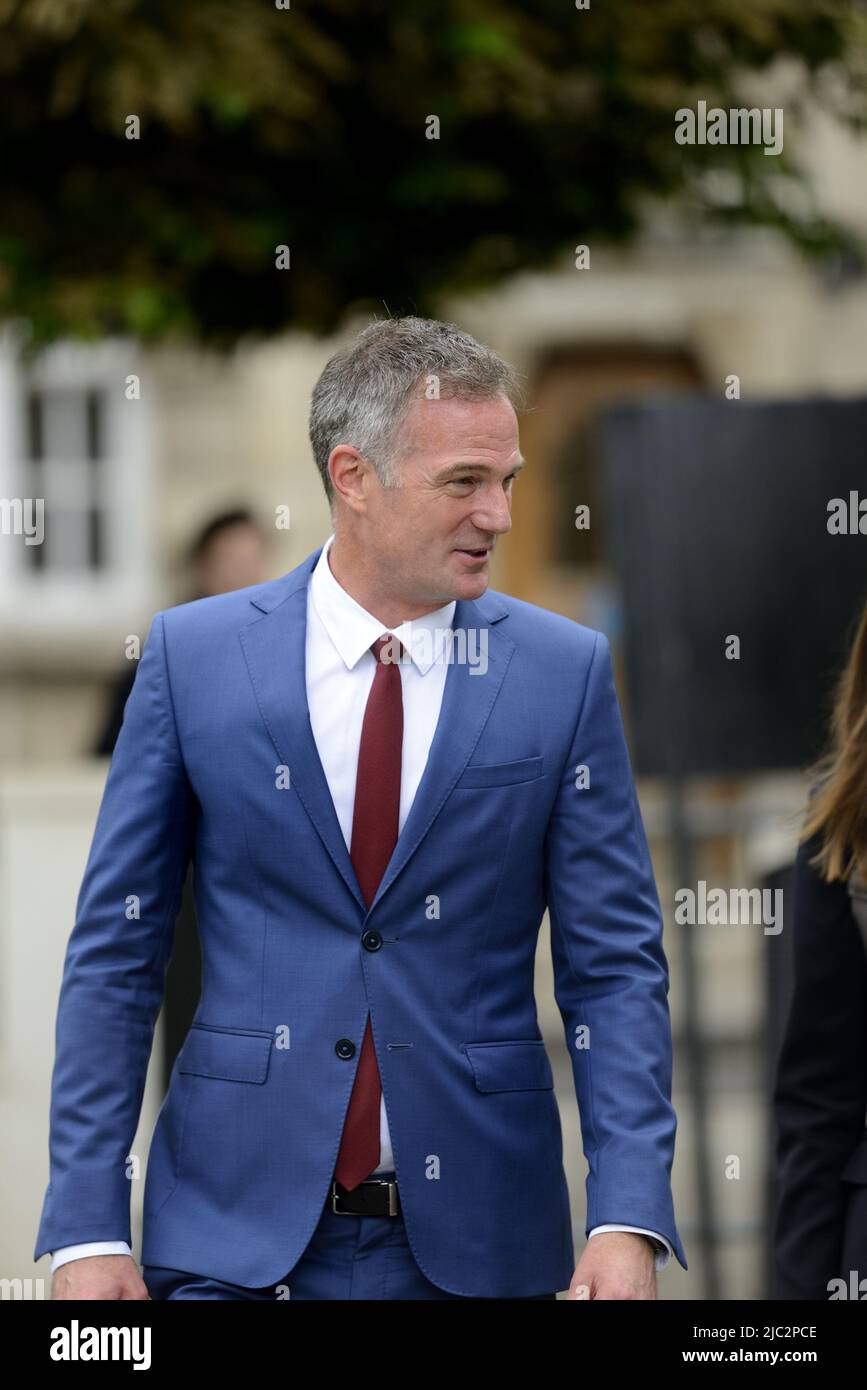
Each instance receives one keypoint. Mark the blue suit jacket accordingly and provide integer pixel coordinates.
(246, 1140)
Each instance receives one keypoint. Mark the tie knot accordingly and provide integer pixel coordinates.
(387, 648)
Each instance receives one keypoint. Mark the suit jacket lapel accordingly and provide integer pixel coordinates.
(274, 650)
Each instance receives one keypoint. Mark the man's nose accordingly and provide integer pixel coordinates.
(494, 514)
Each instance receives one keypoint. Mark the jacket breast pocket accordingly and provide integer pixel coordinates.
(230, 1054)
(500, 774)
(522, 1065)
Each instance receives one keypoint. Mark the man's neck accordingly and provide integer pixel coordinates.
(388, 609)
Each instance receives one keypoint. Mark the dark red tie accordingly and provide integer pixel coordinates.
(374, 835)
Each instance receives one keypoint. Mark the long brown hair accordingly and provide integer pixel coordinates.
(838, 807)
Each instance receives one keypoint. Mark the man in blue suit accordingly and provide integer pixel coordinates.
(384, 773)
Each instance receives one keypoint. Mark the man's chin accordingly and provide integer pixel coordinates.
(473, 585)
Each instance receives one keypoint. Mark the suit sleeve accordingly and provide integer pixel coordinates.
(114, 970)
(820, 1090)
(610, 971)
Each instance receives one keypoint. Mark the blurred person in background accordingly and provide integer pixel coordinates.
(820, 1094)
(229, 552)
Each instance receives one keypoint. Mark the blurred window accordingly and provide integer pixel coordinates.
(65, 461)
(76, 431)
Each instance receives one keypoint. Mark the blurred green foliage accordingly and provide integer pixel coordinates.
(306, 127)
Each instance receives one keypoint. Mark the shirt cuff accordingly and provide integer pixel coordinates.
(663, 1254)
(90, 1247)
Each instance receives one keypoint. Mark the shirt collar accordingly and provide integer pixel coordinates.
(353, 630)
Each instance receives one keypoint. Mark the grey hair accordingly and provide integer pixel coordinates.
(365, 390)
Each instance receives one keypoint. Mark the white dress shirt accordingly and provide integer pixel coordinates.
(340, 668)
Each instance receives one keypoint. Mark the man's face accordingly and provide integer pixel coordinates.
(457, 463)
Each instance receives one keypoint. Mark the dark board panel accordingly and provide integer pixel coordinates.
(716, 513)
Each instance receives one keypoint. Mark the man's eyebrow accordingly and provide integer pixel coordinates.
(478, 468)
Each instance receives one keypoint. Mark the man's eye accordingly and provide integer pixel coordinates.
(471, 481)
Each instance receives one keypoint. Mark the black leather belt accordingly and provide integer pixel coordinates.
(372, 1197)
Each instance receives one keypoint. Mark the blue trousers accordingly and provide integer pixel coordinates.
(347, 1257)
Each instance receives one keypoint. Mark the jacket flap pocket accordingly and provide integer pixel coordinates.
(230, 1055)
(500, 774)
(510, 1066)
(856, 1168)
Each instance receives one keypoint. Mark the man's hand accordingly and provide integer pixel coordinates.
(99, 1276)
(615, 1265)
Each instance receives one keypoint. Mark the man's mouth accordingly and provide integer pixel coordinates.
(476, 554)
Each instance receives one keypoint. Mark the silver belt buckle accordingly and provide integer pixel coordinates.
(390, 1183)
(392, 1196)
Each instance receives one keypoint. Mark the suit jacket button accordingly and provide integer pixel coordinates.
(345, 1048)
(371, 941)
